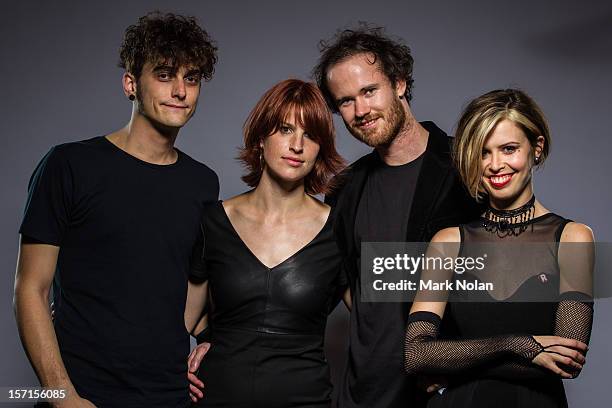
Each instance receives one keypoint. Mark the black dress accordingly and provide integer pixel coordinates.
(266, 324)
(489, 364)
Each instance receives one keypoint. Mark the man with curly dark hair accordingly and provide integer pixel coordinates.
(111, 221)
(405, 190)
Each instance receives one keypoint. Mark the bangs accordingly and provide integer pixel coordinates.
(176, 59)
(309, 115)
(303, 104)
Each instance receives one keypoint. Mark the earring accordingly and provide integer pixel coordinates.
(401, 96)
(537, 160)
(261, 159)
(131, 97)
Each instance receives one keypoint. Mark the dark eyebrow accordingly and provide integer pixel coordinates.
(165, 68)
(194, 71)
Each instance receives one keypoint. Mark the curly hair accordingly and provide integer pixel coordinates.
(393, 58)
(169, 37)
(304, 99)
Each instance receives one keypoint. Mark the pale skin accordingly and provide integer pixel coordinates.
(361, 92)
(168, 98)
(508, 153)
(275, 219)
(364, 93)
(365, 98)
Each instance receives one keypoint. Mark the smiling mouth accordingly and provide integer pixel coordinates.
(366, 124)
(501, 180)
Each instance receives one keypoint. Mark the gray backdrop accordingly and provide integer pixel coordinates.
(61, 83)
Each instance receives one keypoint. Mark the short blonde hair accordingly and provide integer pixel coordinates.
(480, 118)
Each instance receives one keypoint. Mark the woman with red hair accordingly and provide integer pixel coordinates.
(270, 265)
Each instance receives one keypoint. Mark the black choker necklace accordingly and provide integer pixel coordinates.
(509, 222)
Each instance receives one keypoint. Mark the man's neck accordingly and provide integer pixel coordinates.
(409, 144)
(144, 141)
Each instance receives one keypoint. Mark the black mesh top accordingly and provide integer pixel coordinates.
(494, 330)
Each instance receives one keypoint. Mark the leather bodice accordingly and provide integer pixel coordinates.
(291, 298)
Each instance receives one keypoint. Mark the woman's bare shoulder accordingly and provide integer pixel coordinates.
(577, 232)
(450, 234)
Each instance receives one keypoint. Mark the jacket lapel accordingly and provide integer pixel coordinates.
(435, 168)
(351, 199)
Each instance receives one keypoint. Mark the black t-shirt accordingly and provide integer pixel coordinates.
(384, 207)
(376, 357)
(126, 229)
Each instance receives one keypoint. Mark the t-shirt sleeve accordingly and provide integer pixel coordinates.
(198, 261)
(50, 197)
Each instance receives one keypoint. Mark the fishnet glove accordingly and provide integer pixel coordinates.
(574, 319)
(424, 354)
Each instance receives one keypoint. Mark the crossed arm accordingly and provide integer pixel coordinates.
(512, 356)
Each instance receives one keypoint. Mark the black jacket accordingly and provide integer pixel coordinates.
(440, 199)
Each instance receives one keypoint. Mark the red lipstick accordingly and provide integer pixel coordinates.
(500, 180)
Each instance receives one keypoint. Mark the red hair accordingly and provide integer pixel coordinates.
(311, 113)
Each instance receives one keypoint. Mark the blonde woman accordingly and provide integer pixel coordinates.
(510, 352)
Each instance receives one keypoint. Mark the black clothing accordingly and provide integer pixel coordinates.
(382, 182)
(491, 357)
(374, 375)
(266, 324)
(126, 229)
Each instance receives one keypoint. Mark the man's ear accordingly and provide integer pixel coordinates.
(129, 85)
(400, 87)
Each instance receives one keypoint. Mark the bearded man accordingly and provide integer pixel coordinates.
(404, 190)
